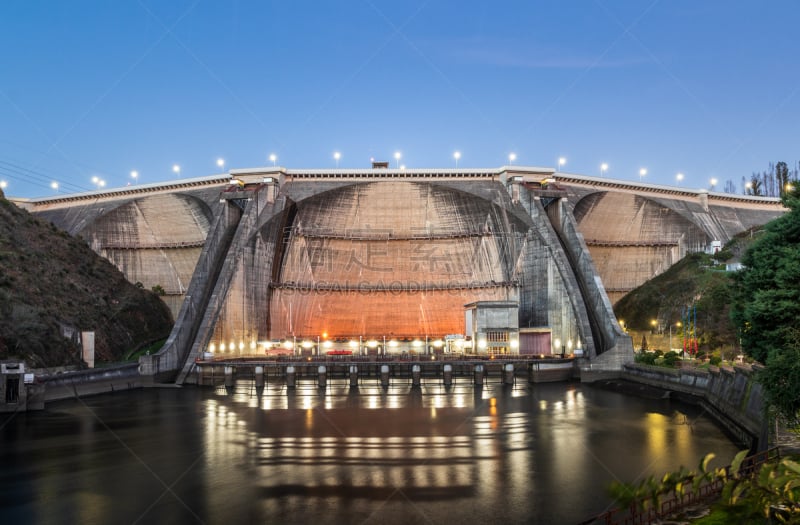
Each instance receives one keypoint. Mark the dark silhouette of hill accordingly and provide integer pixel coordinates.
(53, 286)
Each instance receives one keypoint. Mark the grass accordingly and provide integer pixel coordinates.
(152, 348)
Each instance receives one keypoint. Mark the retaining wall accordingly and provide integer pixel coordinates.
(731, 395)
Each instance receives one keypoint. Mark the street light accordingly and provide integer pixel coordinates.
(336, 157)
(642, 173)
(54, 185)
(273, 158)
(713, 183)
(679, 178)
(221, 163)
(135, 176)
(177, 169)
(397, 156)
(457, 155)
(561, 162)
(512, 157)
(678, 324)
(3, 184)
(603, 168)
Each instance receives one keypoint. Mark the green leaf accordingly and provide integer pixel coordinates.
(737, 462)
(705, 461)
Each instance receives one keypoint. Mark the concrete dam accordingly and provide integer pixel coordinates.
(512, 260)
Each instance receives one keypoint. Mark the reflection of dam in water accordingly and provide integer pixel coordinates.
(539, 455)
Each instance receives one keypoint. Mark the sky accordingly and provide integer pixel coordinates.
(97, 89)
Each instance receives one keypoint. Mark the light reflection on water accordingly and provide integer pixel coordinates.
(531, 453)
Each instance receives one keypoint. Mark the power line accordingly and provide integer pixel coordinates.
(25, 175)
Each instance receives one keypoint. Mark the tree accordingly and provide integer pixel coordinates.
(754, 187)
(766, 307)
(782, 177)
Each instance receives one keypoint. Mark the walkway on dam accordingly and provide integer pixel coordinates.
(383, 368)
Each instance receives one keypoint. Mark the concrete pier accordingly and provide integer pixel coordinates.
(416, 375)
(322, 373)
(508, 374)
(447, 374)
(478, 375)
(353, 376)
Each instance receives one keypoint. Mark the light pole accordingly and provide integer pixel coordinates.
(457, 155)
(679, 178)
(561, 162)
(54, 185)
(642, 173)
(3, 184)
(135, 176)
(177, 169)
(678, 324)
(273, 158)
(397, 156)
(713, 182)
(512, 157)
(603, 168)
(221, 163)
(336, 157)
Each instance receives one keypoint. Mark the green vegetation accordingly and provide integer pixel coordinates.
(766, 307)
(148, 349)
(657, 358)
(53, 286)
(770, 494)
(698, 279)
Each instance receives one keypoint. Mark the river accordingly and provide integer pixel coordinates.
(541, 453)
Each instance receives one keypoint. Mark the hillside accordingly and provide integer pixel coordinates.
(52, 286)
(698, 279)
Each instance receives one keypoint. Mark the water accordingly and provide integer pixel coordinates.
(536, 454)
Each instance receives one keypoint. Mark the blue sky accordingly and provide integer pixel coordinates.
(94, 88)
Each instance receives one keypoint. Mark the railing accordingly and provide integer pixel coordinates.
(671, 506)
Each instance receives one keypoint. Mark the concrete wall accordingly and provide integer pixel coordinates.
(634, 236)
(90, 382)
(732, 395)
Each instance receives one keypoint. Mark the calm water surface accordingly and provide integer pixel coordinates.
(532, 454)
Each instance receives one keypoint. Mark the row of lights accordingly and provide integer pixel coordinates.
(307, 344)
(512, 157)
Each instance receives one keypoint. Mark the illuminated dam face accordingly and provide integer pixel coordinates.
(394, 259)
(390, 264)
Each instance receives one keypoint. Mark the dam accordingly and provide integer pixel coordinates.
(510, 260)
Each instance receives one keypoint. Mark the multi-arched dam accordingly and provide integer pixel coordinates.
(511, 260)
